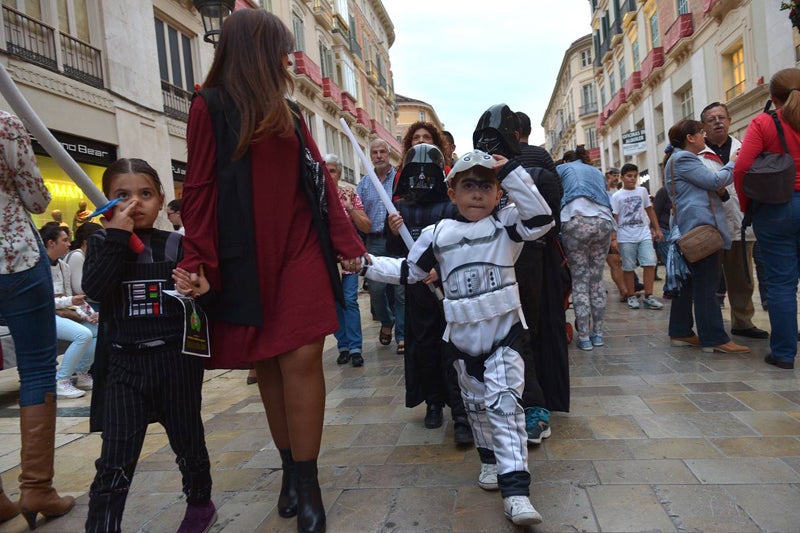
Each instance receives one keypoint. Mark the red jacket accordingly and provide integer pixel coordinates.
(762, 136)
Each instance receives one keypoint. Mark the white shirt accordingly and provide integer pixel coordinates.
(632, 220)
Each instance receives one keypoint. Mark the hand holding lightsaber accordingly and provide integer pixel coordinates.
(387, 202)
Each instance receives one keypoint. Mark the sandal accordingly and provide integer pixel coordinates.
(385, 337)
(401, 347)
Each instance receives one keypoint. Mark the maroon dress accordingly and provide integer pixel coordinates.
(296, 295)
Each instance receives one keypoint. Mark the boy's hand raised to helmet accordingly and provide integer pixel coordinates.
(499, 161)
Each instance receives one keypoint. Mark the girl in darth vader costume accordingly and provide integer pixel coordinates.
(429, 378)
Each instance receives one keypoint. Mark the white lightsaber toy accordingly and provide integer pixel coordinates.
(387, 202)
(35, 125)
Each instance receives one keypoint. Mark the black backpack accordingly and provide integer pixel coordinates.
(770, 180)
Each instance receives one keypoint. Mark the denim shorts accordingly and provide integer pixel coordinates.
(641, 251)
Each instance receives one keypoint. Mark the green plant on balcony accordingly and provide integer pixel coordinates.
(794, 12)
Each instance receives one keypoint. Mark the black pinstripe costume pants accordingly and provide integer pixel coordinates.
(142, 387)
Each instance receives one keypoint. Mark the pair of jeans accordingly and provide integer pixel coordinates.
(377, 294)
(27, 304)
(699, 291)
(777, 229)
(348, 336)
(80, 353)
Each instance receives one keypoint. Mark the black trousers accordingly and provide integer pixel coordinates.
(142, 388)
(426, 352)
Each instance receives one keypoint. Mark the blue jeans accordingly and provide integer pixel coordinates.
(700, 291)
(28, 307)
(80, 353)
(348, 337)
(377, 295)
(777, 229)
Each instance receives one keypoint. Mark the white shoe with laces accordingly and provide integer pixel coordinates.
(520, 511)
(84, 381)
(64, 389)
(487, 479)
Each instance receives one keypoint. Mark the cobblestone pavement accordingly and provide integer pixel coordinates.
(658, 439)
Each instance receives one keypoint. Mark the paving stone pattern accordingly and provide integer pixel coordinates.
(658, 439)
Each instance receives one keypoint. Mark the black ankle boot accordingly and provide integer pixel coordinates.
(310, 511)
(287, 501)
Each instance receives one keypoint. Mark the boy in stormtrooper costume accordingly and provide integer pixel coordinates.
(485, 326)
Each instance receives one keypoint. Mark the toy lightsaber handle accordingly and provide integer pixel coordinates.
(35, 125)
(387, 202)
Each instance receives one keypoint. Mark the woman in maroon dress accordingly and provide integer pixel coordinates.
(256, 226)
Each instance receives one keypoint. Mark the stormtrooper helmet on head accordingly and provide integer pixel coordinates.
(470, 159)
(423, 173)
(496, 132)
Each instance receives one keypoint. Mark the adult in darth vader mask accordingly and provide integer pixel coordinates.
(539, 273)
(425, 202)
(497, 132)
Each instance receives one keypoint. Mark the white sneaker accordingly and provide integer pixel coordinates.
(520, 511)
(84, 381)
(64, 389)
(487, 479)
(650, 302)
(633, 302)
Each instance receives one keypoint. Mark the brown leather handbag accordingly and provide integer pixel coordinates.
(701, 241)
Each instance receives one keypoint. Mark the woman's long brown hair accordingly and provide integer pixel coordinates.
(248, 65)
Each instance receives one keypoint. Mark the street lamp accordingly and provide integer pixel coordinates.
(213, 13)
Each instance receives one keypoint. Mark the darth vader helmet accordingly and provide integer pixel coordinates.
(423, 171)
(496, 132)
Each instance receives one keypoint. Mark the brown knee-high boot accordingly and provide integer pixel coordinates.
(8, 509)
(37, 495)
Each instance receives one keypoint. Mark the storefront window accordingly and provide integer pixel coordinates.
(66, 195)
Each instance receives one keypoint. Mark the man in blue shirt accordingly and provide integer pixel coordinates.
(376, 245)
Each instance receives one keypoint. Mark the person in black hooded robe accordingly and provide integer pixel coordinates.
(542, 278)
(424, 201)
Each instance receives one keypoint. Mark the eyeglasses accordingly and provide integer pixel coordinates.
(716, 118)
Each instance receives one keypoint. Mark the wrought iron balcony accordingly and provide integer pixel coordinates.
(734, 91)
(82, 61)
(35, 42)
(176, 101)
(29, 39)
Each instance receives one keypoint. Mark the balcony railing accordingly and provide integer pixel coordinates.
(654, 60)
(29, 39)
(633, 83)
(349, 104)
(587, 109)
(82, 62)
(682, 27)
(363, 117)
(176, 101)
(35, 42)
(304, 66)
(734, 91)
(660, 137)
(372, 72)
(332, 91)
(354, 46)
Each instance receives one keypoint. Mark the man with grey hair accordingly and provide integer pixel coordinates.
(719, 147)
(376, 245)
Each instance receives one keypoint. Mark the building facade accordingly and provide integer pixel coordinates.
(571, 116)
(410, 111)
(659, 61)
(114, 78)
